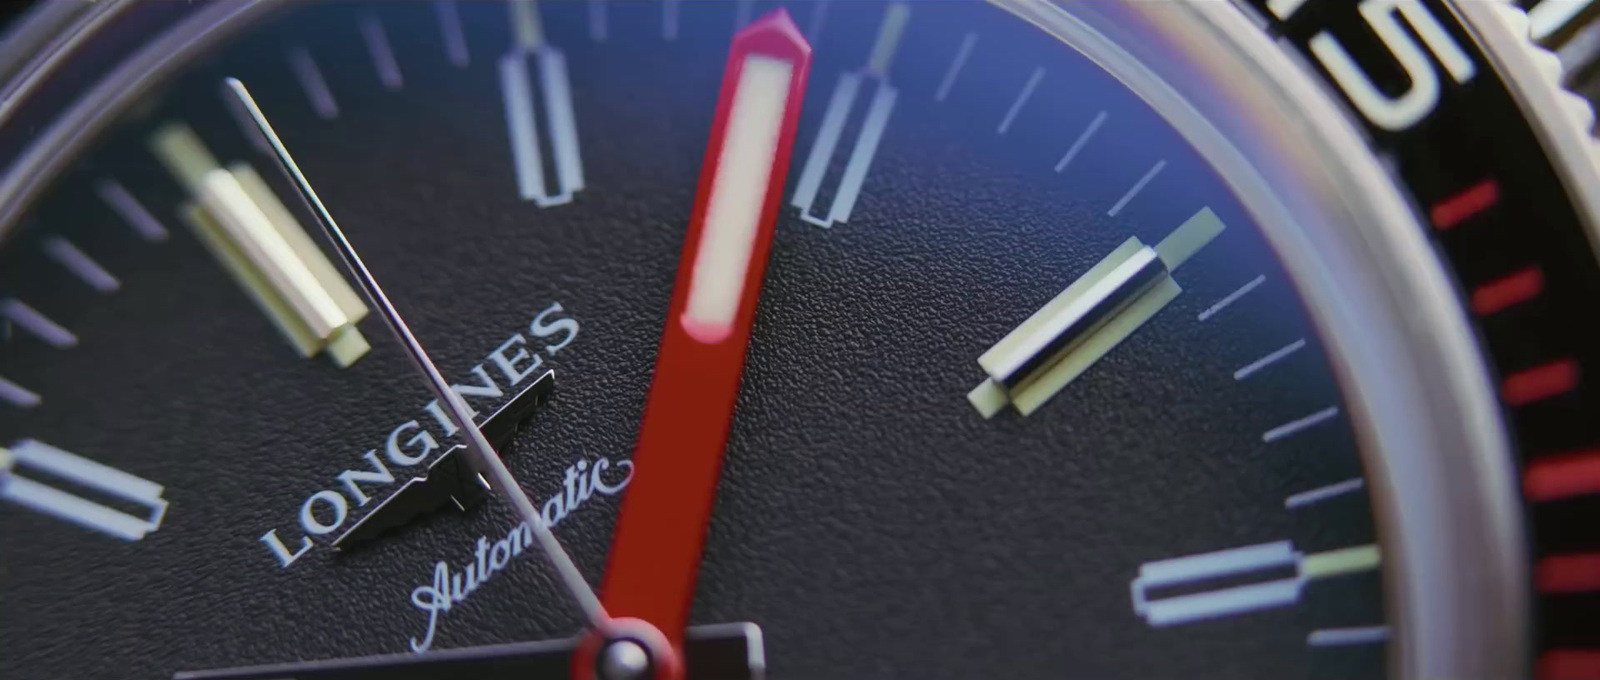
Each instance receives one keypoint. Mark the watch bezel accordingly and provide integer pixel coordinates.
(1411, 372)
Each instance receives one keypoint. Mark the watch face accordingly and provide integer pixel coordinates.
(791, 340)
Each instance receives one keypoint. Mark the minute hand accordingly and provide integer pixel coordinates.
(655, 550)
(483, 457)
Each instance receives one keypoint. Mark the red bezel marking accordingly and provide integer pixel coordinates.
(1506, 291)
(677, 459)
(1457, 208)
(1571, 573)
(1540, 382)
(1563, 476)
(1568, 664)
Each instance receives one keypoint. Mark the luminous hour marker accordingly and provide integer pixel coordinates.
(80, 264)
(1297, 425)
(895, 18)
(310, 77)
(17, 395)
(521, 120)
(1091, 316)
(382, 54)
(876, 73)
(30, 455)
(1022, 100)
(126, 206)
(455, 41)
(1230, 567)
(526, 24)
(263, 246)
(1082, 141)
(968, 42)
(36, 324)
(1070, 324)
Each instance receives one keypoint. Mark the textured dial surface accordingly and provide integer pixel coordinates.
(868, 517)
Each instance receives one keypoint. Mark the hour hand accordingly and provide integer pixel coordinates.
(724, 651)
(451, 481)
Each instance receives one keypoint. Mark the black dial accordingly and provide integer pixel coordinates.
(1028, 390)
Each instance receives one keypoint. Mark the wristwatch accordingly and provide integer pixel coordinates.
(716, 339)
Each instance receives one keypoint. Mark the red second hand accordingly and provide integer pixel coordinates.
(655, 551)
